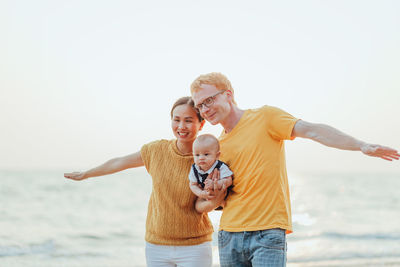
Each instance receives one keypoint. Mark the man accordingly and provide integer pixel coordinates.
(257, 213)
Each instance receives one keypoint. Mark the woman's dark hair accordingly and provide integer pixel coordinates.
(186, 100)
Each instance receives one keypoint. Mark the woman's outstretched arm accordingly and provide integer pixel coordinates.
(112, 166)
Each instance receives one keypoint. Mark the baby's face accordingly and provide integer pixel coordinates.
(205, 154)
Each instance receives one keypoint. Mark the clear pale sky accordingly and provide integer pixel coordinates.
(84, 81)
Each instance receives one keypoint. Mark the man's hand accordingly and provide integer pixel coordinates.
(208, 184)
(219, 193)
(379, 151)
(203, 205)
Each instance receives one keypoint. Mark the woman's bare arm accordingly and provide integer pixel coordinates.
(112, 166)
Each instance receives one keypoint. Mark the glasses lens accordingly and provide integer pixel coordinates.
(209, 101)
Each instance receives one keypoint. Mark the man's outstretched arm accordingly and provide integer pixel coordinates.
(332, 137)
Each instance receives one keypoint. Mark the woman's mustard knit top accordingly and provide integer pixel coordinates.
(171, 217)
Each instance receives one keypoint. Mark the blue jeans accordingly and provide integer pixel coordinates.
(256, 248)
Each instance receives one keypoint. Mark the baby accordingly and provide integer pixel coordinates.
(206, 153)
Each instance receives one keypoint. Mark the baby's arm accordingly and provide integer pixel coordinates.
(196, 189)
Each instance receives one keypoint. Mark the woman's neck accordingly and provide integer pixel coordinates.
(183, 147)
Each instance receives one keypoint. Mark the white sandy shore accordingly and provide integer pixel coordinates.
(346, 263)
(349, 263)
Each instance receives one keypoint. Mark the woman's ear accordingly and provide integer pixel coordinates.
(202, 124)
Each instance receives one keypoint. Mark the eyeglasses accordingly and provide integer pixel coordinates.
(209, 101)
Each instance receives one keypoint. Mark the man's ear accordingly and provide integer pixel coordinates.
(229, 94)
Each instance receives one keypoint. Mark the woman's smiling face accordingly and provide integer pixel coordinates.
(185, 123)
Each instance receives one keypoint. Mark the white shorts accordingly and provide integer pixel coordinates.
(181, 256)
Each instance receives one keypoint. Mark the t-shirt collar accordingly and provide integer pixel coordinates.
(209, 170)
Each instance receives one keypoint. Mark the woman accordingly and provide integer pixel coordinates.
(176, 234)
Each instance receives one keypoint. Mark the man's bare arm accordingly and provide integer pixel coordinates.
(332, 137)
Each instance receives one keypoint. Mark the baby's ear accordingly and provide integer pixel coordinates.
(218, 154)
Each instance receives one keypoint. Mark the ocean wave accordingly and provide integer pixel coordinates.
(46, 247)
(348, 236)
(358, 259)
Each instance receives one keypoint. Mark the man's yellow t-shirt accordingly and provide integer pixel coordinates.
(254, 151)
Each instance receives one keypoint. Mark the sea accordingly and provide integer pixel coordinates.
(339, 219)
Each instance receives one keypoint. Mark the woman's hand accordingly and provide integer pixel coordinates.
(77, 176)
(206, 195)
